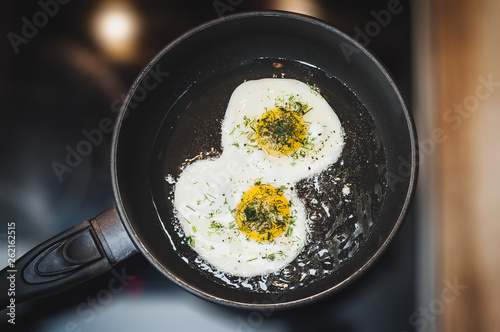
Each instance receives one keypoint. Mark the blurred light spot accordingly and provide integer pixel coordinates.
(115, 27)
(306, 7)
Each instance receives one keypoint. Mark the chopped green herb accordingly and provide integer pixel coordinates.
(314, 88)
(281, 188)
(215, 227)
(272, 257)
(258, 181)
(190, 240)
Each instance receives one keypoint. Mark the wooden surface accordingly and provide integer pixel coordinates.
(465, 48)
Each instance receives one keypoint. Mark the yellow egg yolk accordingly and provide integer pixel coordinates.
(280, 131)
(263, 213)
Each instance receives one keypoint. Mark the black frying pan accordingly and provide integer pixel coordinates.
(173, 112)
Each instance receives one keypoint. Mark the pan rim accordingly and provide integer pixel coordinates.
(412, 180)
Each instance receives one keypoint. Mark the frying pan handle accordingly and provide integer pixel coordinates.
(66, 260)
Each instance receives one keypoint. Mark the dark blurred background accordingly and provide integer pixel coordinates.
(72, 71)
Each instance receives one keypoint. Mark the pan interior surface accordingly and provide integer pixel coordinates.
(163, 126)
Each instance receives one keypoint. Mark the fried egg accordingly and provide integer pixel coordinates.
(240, 224)
(239, 211)
(283, 127)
